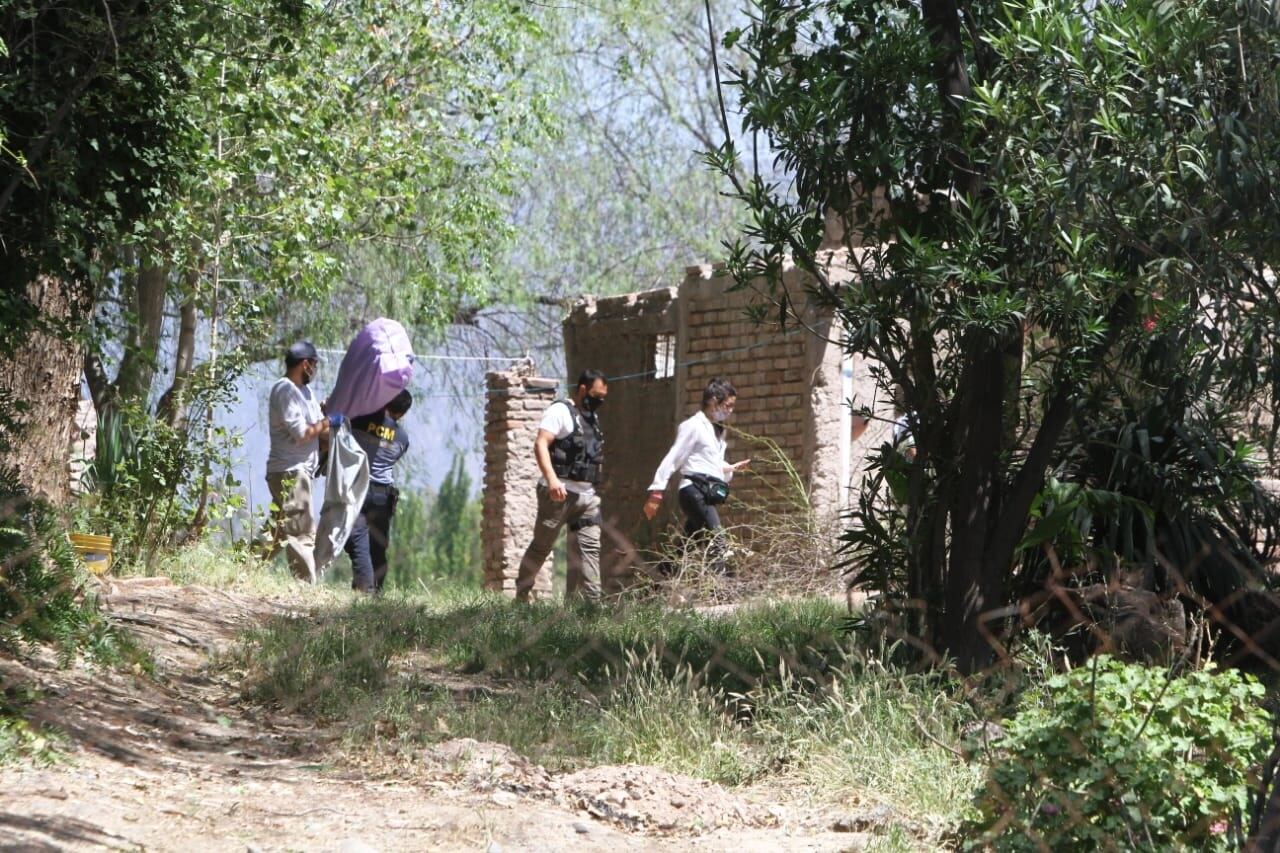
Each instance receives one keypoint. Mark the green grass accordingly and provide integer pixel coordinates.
(324, 659)
(772, 695)
(236, 570)
(489, 634)
(880, 726)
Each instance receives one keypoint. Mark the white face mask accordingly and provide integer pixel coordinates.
(719, 415)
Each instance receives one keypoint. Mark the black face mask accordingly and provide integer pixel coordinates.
(592, 403)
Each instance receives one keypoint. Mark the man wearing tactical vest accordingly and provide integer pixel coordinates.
(569, 451)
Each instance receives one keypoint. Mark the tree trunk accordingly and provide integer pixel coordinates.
(172, 408)
(942, 17)
(138, 366)
(1265, 837)
(101, 389)
(43, 382)
(975, 583)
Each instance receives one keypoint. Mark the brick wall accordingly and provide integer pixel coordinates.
(771, 371)
(514, 405)
(791, 393)
(793, 387)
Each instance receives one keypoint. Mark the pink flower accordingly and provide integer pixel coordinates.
(1218, 828)
(1149, 323)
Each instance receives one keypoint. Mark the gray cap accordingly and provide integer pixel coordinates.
(301, 351)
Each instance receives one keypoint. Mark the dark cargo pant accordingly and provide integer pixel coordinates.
(370, 535)
(702, 528)
(582, 514)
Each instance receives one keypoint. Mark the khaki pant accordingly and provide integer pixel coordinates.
(295, 526)
(582, 515)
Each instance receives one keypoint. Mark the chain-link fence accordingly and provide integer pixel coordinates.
(1122, 710)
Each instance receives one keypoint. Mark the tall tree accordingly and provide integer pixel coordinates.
(618, 199)
(437, 535)
(1047, 194)
(367, 161)
(455, 525)
(90, 120)
(361, 163)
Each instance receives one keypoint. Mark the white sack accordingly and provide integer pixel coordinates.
(346, 483)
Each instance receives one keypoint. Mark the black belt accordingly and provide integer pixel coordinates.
(384, 487)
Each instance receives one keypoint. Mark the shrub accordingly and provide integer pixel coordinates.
(42, 595)
(1121, 754)
(20, 740)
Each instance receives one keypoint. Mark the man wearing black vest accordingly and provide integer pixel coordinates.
(569, 451)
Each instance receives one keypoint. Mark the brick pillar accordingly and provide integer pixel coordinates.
(515, 404)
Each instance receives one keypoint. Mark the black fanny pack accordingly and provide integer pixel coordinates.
(714, 490)
(391, 493)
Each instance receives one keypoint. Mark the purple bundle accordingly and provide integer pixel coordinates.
(378, 366)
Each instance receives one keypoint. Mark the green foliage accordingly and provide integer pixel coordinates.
(1064, 212)
(42, 586)
(41, 583)
(140, 486)
(376, 152)
(115, 453)
(91, 116)
(1156, 485)
(1122, 754)
(632, 91)
(437, 536)
(455, 526)
(361, 155)
(19, 740)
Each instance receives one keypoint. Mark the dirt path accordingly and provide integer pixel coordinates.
(174, 762)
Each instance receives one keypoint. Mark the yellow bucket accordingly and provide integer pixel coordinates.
(94, 551)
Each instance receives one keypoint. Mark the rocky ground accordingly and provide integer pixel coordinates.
(175, 761)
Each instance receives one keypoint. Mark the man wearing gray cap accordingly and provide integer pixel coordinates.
(296, 425)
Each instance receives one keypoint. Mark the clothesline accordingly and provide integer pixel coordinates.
(507, 359)
(560, 386)
(459, 396)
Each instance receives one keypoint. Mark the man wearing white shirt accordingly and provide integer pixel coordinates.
(698, 454)
(296, 426)
(569, 450)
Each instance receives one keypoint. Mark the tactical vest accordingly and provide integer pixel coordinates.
(580, 454)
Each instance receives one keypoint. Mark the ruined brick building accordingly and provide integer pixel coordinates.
(659, 348)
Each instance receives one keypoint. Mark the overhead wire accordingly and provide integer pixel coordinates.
(560, 386)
